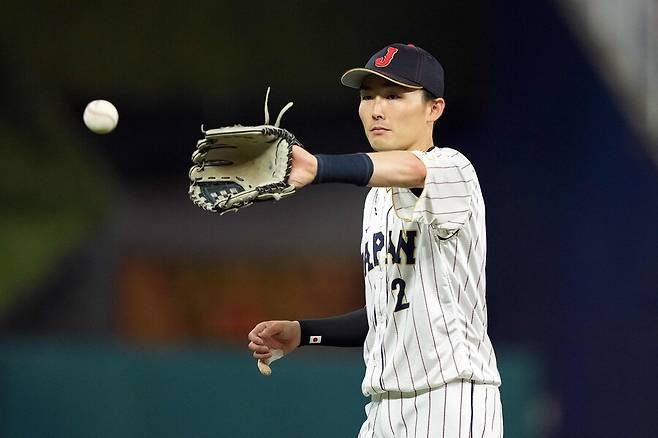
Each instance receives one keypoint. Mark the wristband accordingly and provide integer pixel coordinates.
(348, 330)
(344, 168)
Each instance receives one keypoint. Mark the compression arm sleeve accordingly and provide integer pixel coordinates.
(348, 330)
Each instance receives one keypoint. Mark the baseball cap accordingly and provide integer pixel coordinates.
(403, 64)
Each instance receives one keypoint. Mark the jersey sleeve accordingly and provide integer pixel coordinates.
(446, 198)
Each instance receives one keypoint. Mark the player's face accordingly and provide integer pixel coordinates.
(395, 117)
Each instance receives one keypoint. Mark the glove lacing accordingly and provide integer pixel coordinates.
(281, 113)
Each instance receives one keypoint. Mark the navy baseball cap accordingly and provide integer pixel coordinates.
(402, 64)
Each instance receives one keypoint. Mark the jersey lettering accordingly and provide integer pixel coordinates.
(406, 246)
(367, 265)
(406, 243)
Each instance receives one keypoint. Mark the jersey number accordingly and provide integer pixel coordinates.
(399, 284)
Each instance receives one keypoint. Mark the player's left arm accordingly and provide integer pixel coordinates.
(376, 169)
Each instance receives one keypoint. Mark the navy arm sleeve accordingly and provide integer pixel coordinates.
(348, 330)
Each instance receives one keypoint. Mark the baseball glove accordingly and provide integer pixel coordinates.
(235, 166)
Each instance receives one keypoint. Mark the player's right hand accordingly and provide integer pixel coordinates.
(269, 335)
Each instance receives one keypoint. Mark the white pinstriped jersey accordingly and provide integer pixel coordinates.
(424, 266)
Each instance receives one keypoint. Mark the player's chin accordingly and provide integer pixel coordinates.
(382, 145)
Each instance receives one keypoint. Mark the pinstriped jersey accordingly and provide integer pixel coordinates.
(424, 263)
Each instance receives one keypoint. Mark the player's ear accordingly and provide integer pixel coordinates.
(436, 109)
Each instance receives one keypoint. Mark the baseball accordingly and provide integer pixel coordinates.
(101, 116)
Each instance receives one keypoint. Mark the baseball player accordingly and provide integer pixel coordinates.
(430, 366)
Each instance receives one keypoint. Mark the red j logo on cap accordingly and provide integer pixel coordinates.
(385, 60)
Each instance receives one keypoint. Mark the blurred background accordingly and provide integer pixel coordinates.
(124, 309)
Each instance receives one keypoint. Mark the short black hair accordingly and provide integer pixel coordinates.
(427, 96)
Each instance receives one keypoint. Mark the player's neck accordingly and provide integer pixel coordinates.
(423, 144)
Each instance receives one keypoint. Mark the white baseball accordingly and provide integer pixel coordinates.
(100, 116)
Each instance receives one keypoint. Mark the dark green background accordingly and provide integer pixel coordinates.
(78, 390)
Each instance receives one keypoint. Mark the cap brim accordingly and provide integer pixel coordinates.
(354, 78)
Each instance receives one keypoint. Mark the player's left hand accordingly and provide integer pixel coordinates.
(304, 167)
(269, 335)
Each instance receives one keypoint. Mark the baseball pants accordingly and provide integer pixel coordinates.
(460, 409)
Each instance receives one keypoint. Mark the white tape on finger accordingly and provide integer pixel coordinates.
(264, 365)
